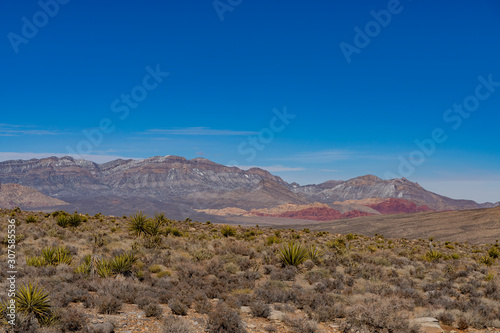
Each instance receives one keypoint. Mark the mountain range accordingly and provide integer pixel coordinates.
(202, 188)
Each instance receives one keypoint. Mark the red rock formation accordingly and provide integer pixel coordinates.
(398, 206)
(317, 214)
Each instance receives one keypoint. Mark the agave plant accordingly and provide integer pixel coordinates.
(292, 254)
(32, 300)
(138, 223)
(433, 255)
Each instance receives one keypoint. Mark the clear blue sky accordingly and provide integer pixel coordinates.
(227, 76)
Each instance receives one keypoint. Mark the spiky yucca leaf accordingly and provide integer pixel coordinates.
(103, 269)
(292, 254)
(32, 300)
(31, 219)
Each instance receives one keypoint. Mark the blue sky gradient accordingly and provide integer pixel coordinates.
(229, 82)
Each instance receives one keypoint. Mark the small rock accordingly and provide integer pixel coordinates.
(245, 309)
(428, 325)
(276, 315)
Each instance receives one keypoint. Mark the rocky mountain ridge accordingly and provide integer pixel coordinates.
(179, 185)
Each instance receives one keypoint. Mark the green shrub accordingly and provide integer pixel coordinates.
(292, 254)
(74, 220)
(123, 263)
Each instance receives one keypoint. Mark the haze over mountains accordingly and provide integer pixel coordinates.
(184, 187)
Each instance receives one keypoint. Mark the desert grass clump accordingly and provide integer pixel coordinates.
(292, 254)
(32, 300)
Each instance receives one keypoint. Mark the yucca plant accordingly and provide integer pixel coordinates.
(494, 252)
(314, 253)
(35, 261)
(56, 255)
(153, 227)
(486, 260)
(62, 221)
(31, 219)
(433, 255)
(138, 223)
(123, 263)
(74, 220)
(103, 268)
(292, 254)
(227, 231)
(32, 300)
(161, 217)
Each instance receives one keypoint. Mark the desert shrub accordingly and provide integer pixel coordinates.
(378, 315)
(260, 309)
(174, 324)
(446, 318)
(224, 319)
(273, 292)
(284, 274)
(72, 320)
(109, 304)
(203, 306)
(178, 307)
(228, 231)
(153, 310)
(301, 324)
(462, 323)
(32, 300)
(142, 302)
(316, 275)
(292, 254)
(105, 327)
